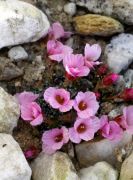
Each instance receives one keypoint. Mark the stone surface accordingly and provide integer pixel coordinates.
(119, 53)
(17, 53)
(70, 8)
(9, 112)
(100, 171)
(116, 112)
(120, 84)
(92, 24)
(127, 169)
(13, 163)
(120, 9)
(55, 167)
(128, 77)
(20, 23)
(89, 153)
(8, 70)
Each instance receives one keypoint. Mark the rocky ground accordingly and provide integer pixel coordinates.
(25, 67)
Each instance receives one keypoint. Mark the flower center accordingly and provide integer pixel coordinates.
(59, 138)
(81, 128)
(82, 106)
(59, 99)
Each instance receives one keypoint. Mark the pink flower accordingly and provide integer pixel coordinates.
(74, 65)
(92, 54)
(57, 32)
(32, 112)
(57, 50)
(31, 152)
(54, 139)
(110, 129)
(127, 94)
(110, 79)
(84, 129)
(86, 104)
(26, 97)
(127, 119)
(58, 99)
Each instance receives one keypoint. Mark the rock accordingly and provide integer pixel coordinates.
(128, 76)
(9, 112)
(70, 8)
(13, 163)
(119, 53)
(56, 167)
(120, 84)
(89, 153)
(8, 70)
(92, 24)
(120, 9)
(127, 169)
(116, 112)
(17, 53)
(100, 171)
(20, 23)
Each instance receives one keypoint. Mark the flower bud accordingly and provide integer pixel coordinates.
(127, 94)
(110, 79)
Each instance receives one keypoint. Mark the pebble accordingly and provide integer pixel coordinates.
(56, 167)
(17, 53)
(119, 53)
(8, 70)
(70, 9)
(127, 169)
(93, 24)
(20, 23)
(13, 163)
(89, 153)
(100, 171)
(128, 76)
(9, 112)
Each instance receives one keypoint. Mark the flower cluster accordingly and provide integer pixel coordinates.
(85, 105)
(76, 65)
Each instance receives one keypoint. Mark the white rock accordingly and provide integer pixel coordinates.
(20, 23)
(100, 171)
(119, 52)
(89, 153)
(70, 8)
(17, 53)
(127, 169)
(120, 9)
(13, 163)
(128, 76)
(9, 112)
(53, 167)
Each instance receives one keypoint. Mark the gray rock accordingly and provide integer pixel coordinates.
(127, 169)
(70, 8)
(13, 163)
(89, 153)
(56, 167)
(20, 23)
(116, 112)
(9, 112)
(17, 53)
(119, 53)
(120, 84)
(100, 171)
(128, 76)
(120, 9)
(8, 70)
